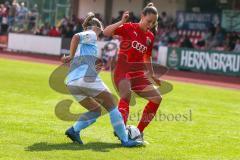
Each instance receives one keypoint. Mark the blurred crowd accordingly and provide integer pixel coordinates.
(214, 38)
(17, 17)
(65, 28)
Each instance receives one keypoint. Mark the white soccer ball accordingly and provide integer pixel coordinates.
(133, 132)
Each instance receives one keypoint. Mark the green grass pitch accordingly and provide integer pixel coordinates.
(30, 130)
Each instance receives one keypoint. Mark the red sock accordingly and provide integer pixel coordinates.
(147, 116)
(123, 107)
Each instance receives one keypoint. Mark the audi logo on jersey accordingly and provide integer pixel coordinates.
(139, 47)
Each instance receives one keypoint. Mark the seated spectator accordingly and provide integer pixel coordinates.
(45, 29)
(233, 39)
(227, 42)
(217, 39)
(54, 32)
(173, 35)
(186, 43)
(37, 31)
(164, 37)
(205, 40)
(237, 46)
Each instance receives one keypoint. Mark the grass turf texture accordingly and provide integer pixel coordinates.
(30, 129)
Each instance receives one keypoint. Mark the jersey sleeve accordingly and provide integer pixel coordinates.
(80, 36)
(122, 30)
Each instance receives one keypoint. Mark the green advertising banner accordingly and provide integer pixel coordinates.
(231, 20)
(227, 63)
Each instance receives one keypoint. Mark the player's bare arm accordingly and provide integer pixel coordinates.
(73, 48)
(109, 31)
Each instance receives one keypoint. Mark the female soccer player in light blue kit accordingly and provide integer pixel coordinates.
(85, 85)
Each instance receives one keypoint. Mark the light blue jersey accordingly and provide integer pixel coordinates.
(83, 63)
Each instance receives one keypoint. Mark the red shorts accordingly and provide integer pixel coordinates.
(138, 80)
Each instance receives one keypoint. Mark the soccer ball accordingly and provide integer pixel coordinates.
(133, 132)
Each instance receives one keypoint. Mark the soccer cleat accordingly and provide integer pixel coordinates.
(132, 143)
(74, 136)
(140, 137)
(115, 134)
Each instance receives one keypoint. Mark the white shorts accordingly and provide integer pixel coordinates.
(82, 89)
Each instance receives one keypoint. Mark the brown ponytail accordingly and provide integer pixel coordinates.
(151, 9)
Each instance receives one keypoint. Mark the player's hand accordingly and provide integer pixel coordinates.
(125, 17)
(66, 59)
(156, 80)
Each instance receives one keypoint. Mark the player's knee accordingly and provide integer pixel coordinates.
(125, 89)
(156, 99)
(126, 95)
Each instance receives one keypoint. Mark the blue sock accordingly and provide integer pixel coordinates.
(85, 120)
(118, 124)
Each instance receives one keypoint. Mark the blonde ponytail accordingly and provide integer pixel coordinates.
(89, 18)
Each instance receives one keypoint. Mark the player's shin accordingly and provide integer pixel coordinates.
(123, 107)
(147, 116)
(118, 124)
(85, 120)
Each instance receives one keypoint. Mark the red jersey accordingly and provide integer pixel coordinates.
(134, 41)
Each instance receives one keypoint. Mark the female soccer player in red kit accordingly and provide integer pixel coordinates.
(134, 58)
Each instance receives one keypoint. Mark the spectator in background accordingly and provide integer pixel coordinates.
(4, 15)
(64, 22)
(12, 14)
(63, 30)
(233, 39)
(1, 13)
(33, 17)
(69, 31)
(173, 35)
(166, 20)
(186, 43)
(78, 27)
(218, 38)
(132, 18)
(54, 32)
(227, 42)
(37, 31)
(98, 16)
(205, 40)
(22, 14)
(45, 29)
(237, 46)
(120, 13)
(164, 37)
(74, 19)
